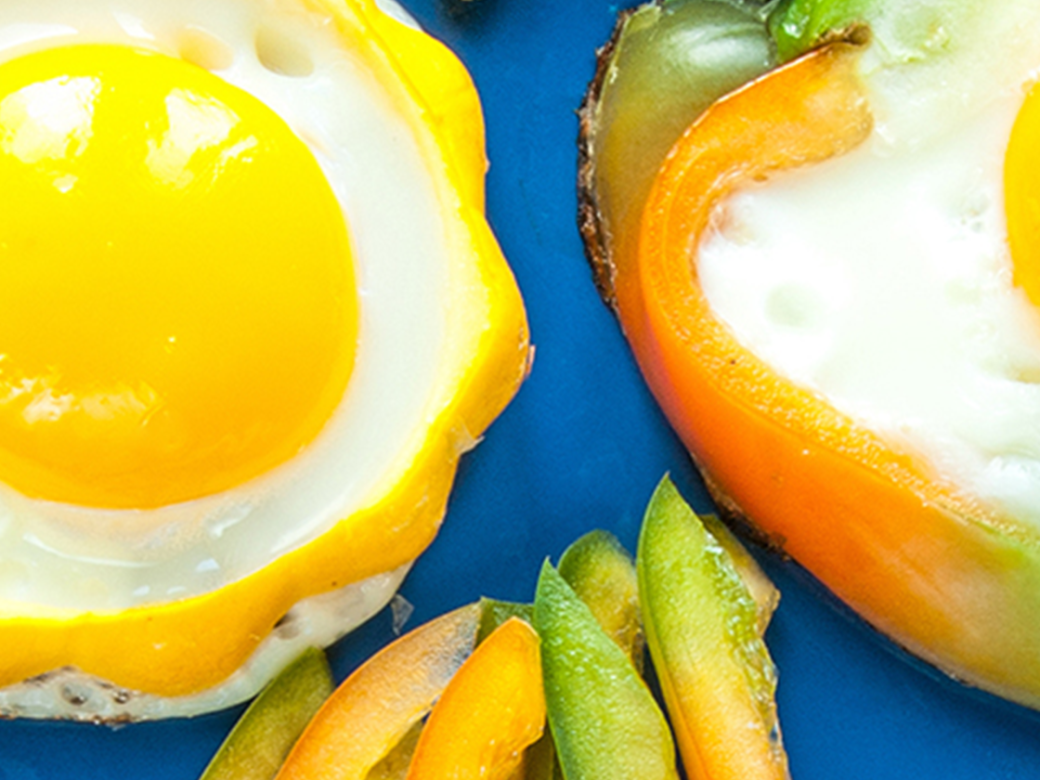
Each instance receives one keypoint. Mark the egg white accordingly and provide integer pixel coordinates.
(112, 559)
(64, 557)
(882, 279)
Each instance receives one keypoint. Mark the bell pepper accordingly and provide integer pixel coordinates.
(665, 63)
(490, 712)
(603, 575)
(704, 635)
(949, 579)
(267, 730)
(761, 588)
(377, 705)
(603, 718)
(394, 765)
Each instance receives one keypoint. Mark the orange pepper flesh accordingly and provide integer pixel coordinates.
(491, 711)
(376, 706)
(928, 567)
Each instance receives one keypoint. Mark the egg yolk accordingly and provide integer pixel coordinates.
(178, 311)
(1022, 195)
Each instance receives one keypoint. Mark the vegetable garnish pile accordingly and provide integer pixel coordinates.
(817, 223)
(505, 690)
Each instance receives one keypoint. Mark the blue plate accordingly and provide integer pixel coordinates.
(581, 447)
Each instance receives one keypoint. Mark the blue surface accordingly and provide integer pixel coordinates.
(582, 447)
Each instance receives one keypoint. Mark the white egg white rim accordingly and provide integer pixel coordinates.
(70, 694)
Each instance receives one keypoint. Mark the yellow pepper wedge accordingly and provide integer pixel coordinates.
(376, 706)
(491, 711)
(927, 566)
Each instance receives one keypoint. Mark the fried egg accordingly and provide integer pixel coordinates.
(251, 317)
(884, 281)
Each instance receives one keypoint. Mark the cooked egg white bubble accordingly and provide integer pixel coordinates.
(95, 559)
(882, 279)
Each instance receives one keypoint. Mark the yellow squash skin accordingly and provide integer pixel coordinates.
(187, 646)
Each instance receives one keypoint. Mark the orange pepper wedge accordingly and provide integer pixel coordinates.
(928, 566)
(491, 711)
(373, 709)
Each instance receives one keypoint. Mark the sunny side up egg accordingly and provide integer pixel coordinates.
(252, 315)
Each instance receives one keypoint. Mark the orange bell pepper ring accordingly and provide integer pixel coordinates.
(376, 706)
(926, 565)
(491, 711)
